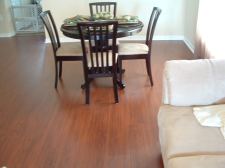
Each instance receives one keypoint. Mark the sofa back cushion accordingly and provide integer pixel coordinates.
(194, 82)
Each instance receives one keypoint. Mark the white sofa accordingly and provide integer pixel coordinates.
(184, 142)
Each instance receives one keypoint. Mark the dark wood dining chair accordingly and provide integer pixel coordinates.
(62, 52)
(129, 51)
(97, 7)
(100, 58)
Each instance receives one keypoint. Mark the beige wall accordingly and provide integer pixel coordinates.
(6, 25)
(191, 21)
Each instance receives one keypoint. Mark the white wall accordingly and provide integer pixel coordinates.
(170, 23)
(176, 22)
(190, 22)
(6, 25)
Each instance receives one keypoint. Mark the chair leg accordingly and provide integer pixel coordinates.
(56, 74)
(149, 71)
(115, 89)
(120, 69)
(87, 92)
(120, 72)
(60, 69)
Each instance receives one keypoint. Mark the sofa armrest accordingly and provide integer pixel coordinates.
(194, 82)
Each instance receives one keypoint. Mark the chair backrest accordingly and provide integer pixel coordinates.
(49, 23)
(97, 7)
(98, 53)
(151, 25)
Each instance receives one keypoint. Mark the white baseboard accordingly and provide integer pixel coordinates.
(189, 45)
(137, 38)
(63, 40)
(173, 37)
(142, 38)
(11, 34)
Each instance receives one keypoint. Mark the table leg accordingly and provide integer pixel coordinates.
(121, 84)
(83, 85)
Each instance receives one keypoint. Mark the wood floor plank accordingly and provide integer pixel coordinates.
(44, 128)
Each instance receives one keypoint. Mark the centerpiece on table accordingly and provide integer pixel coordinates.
(74, 20)
(101, 16)
(127, 19)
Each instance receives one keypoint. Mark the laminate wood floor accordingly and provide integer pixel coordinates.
(44, 128)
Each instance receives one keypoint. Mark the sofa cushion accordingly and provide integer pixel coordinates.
(182, 135)
(199, 161)
(194, 82)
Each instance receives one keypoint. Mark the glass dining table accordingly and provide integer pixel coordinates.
(123, 30)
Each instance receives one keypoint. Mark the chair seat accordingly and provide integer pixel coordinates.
(70, 49)
(133, 48)
(99, 60)
(117, 42)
